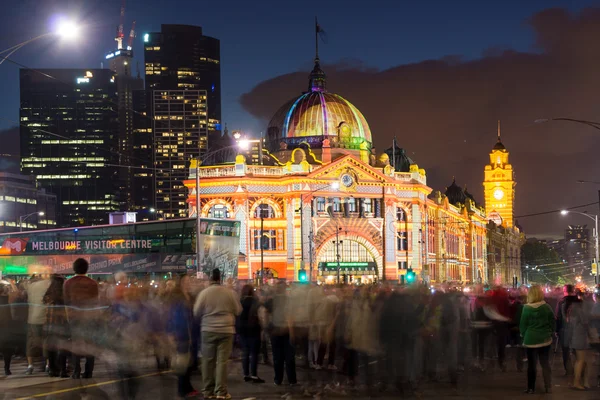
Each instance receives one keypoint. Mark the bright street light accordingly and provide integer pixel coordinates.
(23, 218)
(67, 29)
(244, 144)
(564, 212)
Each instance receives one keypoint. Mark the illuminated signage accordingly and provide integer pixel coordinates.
(348, 266)
(88, 74)
(110, 55)
(67, 245)
(14, 246)
(83, 80)
(146, 37)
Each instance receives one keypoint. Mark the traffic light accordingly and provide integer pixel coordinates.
(302, 275)
(410, 276)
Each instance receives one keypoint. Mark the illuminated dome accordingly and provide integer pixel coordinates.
(318, 115)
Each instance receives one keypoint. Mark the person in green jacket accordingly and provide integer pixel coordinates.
(537, 326)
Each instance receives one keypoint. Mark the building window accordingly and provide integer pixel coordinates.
(337, 205)
(402, 265)
(218, 211)
(264, 211)
(400, 214)
(351, 205)
(368, 206)
(402, 241)
(320, 204)
(272, 239)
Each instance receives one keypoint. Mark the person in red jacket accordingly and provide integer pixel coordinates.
(81, 299)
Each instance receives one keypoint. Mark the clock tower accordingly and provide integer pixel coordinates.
(499, 186)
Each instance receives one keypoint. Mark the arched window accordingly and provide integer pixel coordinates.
(218, 211)
(264, 210)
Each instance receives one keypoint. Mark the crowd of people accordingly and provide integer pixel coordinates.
(336, 338)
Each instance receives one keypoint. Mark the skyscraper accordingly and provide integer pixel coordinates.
(577, 246)
(70, 142)
(183, 85)
(120, 62)
(179, 132)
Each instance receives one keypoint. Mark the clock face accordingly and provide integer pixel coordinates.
(347, 180)
(498, 194)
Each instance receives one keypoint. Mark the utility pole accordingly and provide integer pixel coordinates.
(597, 277)
(262, 245)
(337, 251)
(198, 241)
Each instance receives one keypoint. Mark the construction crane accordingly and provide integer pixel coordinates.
(131, 36)
(120, 34)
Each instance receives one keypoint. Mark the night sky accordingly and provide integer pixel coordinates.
(436, 74)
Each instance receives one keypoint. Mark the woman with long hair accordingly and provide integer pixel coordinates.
(250, 333)
(56, 328)
(537, 326)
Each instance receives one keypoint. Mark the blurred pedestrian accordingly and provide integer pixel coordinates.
(9, 332)
(179, 320)
(284, 354)
(35, 321)
(56, 328)
(217, 307)
(576, 336)
(537, 325)
(561, 326)
(81, 299)
(249, 331)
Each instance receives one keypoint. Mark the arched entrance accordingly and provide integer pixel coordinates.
(359, 260)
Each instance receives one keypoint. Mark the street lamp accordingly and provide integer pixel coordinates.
(64, 29)
(23, 218)
(595, 219)
(156, 212)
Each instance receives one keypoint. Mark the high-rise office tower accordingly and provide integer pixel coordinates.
(70, 141)
(179, 132)
(142, 170)
(183, 85)
(120, 62)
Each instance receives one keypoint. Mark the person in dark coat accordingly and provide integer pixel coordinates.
(249, 331)
(179, 325)
(562, 309)
(56, 328)
(9, 333)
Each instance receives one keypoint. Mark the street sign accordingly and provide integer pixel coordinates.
(594, 268)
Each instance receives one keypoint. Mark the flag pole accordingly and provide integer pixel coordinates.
(316, 39)
(394, 153)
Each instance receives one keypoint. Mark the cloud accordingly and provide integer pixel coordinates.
(444, 111)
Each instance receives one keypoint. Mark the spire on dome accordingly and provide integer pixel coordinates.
(499, 145)
(317, 77)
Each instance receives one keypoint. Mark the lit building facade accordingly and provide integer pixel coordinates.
(180, 133)
(504, 254)
(504, 235)
(70, 140)
(19, 197)
(578, 246)
(183, 85)
(181, 57)
(322, 201)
